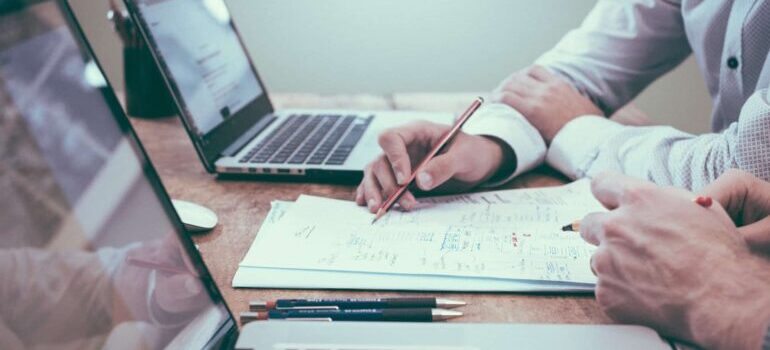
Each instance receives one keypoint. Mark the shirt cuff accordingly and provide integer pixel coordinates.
(577, 144)
(508, 125)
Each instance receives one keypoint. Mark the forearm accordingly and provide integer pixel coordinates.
(736, 313)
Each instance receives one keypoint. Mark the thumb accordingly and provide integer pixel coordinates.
(439, 170)
(178, 293)
(757, 235)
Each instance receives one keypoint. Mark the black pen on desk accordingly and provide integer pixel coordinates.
(362, 315)
(348, 304)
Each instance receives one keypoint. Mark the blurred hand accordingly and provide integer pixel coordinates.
(666, 262)
(547, 101)
(747, 199)
(176, 290)
(467, 161)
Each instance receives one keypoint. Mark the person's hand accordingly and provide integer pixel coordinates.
(175, 292)
(747, 199)
(547, 101)
(668, 263)
(467, 161)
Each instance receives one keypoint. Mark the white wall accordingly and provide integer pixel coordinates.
(385, 46)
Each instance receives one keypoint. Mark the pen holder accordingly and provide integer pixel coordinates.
(147, 95)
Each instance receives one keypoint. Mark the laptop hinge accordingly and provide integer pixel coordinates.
(249, 135)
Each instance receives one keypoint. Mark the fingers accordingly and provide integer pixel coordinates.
(372, 190)
(438, 171)
(360, 199)
(516, 101)
(592, 228)
(541, 74)
(378, 184)
(614, 189)
(179, 293)
(521, 84)
(757, 235)
(387, 181)
(396, 142)
(732, 190)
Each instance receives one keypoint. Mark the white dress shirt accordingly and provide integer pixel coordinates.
(623, 46)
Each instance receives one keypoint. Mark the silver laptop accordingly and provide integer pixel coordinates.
(226, 109)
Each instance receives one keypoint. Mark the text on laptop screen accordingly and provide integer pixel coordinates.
(89, 256)
(202, 53)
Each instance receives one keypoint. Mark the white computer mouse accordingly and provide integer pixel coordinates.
(195, 217)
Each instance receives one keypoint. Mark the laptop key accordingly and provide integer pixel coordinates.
(345, 147)
(296, 140)
(333, 139)
(277, 138)
(312, 143)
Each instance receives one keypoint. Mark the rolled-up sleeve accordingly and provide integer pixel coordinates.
(590, 145)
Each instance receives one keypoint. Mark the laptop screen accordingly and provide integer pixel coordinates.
(90, 249)
(204, 57)
(208, 71)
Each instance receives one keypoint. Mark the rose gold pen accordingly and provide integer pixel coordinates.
(445, 140)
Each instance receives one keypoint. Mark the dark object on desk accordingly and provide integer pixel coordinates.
(349, 304)
(147, 95)
(365, 315)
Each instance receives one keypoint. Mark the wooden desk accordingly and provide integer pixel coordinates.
(242, 205)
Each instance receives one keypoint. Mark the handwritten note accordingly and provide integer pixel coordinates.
(518, 237)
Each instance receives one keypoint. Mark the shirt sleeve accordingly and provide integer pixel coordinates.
(589, 145)
(506, 124)
(619, 49)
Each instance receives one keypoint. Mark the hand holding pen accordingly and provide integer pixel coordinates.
(444, 142)
(471, 160)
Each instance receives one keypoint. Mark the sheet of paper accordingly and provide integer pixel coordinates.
(264, 277)
(509, 241)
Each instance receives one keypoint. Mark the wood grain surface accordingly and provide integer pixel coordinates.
(242, 205)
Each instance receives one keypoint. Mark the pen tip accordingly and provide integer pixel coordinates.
(443, 315)
(567, 228)
(449, 304)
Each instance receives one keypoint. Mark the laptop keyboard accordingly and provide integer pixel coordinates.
(310, 139)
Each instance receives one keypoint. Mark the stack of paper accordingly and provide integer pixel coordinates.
(494, 241)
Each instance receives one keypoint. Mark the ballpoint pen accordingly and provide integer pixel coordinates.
(348, 304)
(366, 315)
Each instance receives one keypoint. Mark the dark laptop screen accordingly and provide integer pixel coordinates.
(203, 56)
(89, 251)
